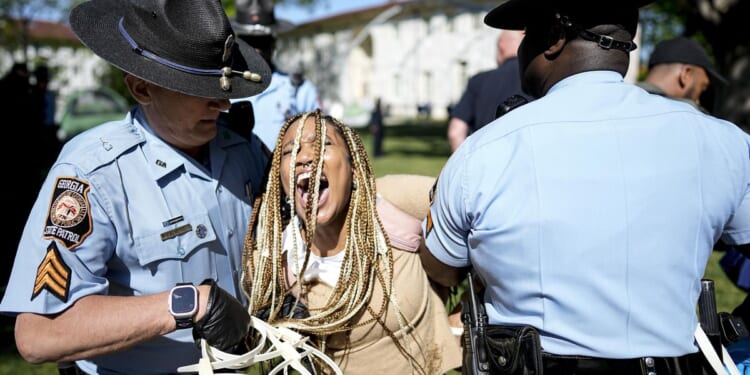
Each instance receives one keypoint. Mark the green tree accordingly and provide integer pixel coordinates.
(16, 15)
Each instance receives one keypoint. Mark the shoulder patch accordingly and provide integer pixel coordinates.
(53, 275)
(433, 191)
(69, 219)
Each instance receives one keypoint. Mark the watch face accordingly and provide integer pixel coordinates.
(183, 301)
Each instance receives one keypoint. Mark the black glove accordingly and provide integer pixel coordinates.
(226, 323)
(290, 302)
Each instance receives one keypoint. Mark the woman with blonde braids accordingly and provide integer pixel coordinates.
(322, 234)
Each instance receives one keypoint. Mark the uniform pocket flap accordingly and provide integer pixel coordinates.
(176, 241)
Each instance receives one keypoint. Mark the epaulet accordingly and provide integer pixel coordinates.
(102, 145)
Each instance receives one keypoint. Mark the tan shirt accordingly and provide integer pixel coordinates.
(369, 350)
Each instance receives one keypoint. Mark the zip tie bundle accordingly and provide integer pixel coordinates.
(286, 344)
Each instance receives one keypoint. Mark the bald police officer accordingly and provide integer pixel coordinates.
(590, 213)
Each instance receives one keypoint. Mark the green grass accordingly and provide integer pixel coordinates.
(411, 147)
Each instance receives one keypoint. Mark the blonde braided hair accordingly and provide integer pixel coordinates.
(368, 259)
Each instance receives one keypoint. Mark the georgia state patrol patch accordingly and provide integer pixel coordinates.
(53, 275)
(69, 219)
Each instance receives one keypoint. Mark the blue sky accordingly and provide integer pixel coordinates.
(324, 8)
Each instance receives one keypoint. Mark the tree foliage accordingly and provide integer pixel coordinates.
(15, 15)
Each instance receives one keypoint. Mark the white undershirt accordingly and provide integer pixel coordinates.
(324, 269)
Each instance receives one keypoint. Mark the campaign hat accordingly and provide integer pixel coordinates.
(187, 46)
(686, 51)
(258, 18)
(517, 14)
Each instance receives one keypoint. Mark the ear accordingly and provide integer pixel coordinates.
(555, 43)
(138, 89)
(685, 78)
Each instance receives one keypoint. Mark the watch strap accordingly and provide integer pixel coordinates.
(184, 323)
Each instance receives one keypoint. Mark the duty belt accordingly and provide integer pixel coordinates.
(691, 364)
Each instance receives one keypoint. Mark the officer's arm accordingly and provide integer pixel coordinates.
(458, 130)
(438, 271)
(96, 325)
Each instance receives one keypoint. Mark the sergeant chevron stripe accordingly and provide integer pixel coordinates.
(53, 274)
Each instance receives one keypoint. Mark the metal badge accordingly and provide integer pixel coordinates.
(201, 231)
(228, 48)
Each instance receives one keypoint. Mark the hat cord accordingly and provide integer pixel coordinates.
(224, 72)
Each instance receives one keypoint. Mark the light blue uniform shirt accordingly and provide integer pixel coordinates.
(102, 222)
(590, 214)
(277, 103)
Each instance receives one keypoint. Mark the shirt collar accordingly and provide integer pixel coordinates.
(597, 76)
(164, 158)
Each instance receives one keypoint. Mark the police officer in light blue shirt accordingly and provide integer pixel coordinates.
(288, 94)
(590, 213)
(134, 208)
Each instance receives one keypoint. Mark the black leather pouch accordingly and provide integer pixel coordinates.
(514, 350)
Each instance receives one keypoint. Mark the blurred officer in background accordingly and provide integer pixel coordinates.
(590, 213)
(135, 213)
(680, 69)
(288, 94)
(486, 90)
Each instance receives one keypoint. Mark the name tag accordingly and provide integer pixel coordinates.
(176, 232)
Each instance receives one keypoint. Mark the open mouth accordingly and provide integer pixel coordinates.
(304, 188)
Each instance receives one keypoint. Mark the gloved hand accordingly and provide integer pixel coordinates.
(299, 311)
(226, 322)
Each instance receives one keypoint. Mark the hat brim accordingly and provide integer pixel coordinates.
(716, 76)
(96, 25)
(509, 15)
(516, 14)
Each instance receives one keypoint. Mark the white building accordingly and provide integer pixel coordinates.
(408, 52)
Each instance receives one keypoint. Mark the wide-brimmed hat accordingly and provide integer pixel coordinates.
(257, 18)
(685, 51)
(517, 14)
(186, 46)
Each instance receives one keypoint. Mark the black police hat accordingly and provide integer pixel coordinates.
(186, 46)
(685, 51)
(516, 14)
(257, 18)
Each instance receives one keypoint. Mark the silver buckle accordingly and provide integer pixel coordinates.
(606, 41)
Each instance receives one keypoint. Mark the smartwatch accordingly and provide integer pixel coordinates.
(183, 304)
